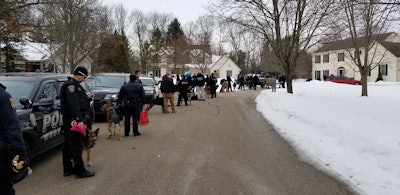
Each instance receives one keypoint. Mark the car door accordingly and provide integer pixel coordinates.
(47, 111)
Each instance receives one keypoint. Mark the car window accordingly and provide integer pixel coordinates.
(147, 82)
(18, 89)
(49, 90)
(106, 81)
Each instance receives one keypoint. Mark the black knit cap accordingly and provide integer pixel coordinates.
(80, 70)
(132, 77)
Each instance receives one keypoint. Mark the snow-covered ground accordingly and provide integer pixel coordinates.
(354, 138)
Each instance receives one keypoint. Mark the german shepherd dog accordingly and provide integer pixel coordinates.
(89, 139)
(112, 118)
(207, 92)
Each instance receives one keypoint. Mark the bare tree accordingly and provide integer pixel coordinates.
(15, 22)
(140, 35)
(364, 22)
(199, 35)
(287, 26)
(120, 18)
(75, 28)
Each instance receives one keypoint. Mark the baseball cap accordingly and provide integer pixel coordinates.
(80, 70)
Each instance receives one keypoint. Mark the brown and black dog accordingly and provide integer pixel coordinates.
(207, 92)
(89, 139)
(112, 118)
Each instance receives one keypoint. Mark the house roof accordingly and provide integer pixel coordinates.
(393, 47)
(31, 51)
(347, 43)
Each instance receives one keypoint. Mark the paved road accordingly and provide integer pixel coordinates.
(220, 146)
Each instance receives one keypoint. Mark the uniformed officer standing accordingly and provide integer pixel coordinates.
(75, 107)
(183, 88)
(131, 95)
(10, 134)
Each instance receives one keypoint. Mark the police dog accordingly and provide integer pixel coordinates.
(89, 139)
(113, 120)
(207, 92)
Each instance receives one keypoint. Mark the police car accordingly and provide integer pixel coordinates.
(37, 102)
(105, 88)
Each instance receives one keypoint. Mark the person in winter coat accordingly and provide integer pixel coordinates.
(183, 88)
(132, 96)
(255, 81)
(213, 85)
(168, 90)
(10, 134)
(200, 82)
(228, 78)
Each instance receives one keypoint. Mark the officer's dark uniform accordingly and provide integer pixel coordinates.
(183, 88)
(74, 106)
(213, 85)
(10, 133)
(131, 95)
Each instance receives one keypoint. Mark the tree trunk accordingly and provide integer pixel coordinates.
(364, 88)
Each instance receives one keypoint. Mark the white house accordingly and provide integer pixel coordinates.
(40, 57)
(223, 66)
(334, 58)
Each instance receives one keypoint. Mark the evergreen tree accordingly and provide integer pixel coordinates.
(114, 54)
(176, 40)
(174, 31)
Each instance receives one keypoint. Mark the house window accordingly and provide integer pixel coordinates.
(326, 58)
(383, 69)
(317, 75)
(340, 57)
(229, 73)
(325, 73)
(355, 53)
(318, 59)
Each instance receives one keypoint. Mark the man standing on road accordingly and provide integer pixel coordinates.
(75, 109)
(168, 90)
(200, 82)
(10, 134)
(131, 95)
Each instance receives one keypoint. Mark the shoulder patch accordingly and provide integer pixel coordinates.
(71, 88)
(12, 103)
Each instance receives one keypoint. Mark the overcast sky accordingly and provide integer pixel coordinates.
(185, 10)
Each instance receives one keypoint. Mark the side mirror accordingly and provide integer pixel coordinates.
(25, 101)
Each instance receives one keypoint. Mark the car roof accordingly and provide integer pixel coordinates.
(32, 76)
(110, 74)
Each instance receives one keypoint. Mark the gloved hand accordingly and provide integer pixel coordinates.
(78, 127)
(20, 163)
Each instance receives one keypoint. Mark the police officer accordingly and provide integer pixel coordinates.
(10, 134)
(131, 95)
(183, 88)
(75, 108)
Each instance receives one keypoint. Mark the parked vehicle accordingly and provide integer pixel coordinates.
(249, 80)
(37, 103)
(343, 80)
(106, 86)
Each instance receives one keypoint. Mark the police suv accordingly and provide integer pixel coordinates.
(37, 102)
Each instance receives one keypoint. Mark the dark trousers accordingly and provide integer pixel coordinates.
(6, 183)
(182, 95)
(131, 110)
(72, 150)
(213, 91)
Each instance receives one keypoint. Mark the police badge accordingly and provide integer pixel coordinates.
(71, 88)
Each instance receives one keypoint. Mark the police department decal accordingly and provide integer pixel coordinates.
(71, 88)
(12, 103)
